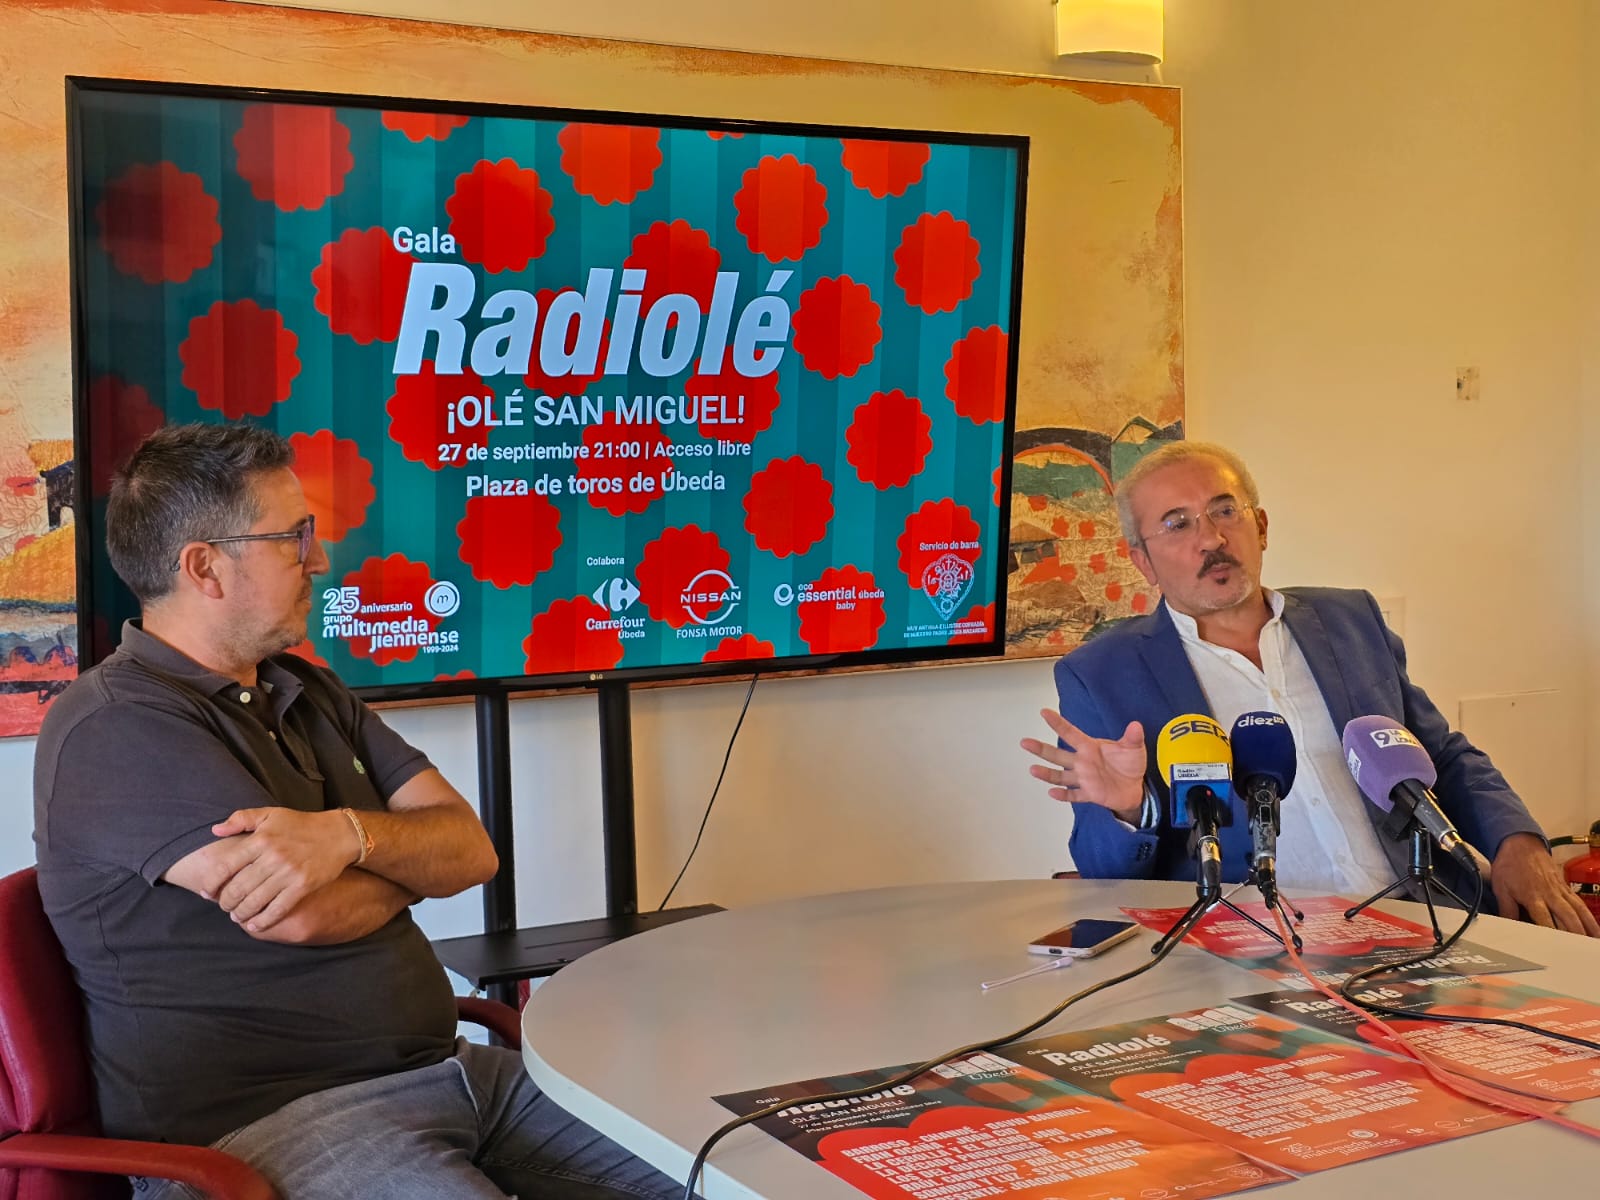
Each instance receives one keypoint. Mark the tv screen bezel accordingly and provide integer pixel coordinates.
(689, 672)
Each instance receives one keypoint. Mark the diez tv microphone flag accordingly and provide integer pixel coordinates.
(1264, 763)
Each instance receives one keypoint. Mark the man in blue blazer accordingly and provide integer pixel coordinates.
(1219, 643)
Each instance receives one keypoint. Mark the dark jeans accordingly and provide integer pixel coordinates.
(474, 1126)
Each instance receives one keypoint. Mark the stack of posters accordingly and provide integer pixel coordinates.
(1209, 1102)
(1336, 947)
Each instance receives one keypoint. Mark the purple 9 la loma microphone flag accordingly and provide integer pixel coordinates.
(1383, 754)
(1394, 771)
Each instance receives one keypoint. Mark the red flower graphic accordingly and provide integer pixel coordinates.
(884, 168)
(1331, 1081)
(996, 478)
(336, 479)
(827, 628)
(540, 384)
(420, 127)
(158, 223)
(120, 417)
(890, 437)
(938, 528)
(509, 541)
(361, 285)
(836, 329)
(464, 673)
(782, 208)
(788, 506)
(936, 263)
(749, 403)
(308, 651)
(678, 258)
(610, 163)
(239, 359)
(419, 416)
(975, 375)
(561, 639)
(672, 563)
(981, 612)
(391, 591)
(739, 649)
(611, 466)
(500, 215)
(294, 155)
(718, 135)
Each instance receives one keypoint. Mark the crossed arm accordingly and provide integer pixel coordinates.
(290, 876)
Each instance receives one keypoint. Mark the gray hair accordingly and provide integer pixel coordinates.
(185, 483)
(1166, 456)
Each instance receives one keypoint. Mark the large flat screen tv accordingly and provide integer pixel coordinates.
(574, 395)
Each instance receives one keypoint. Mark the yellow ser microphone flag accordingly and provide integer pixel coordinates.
(1192, 753)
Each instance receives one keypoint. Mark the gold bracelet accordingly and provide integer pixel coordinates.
(361, 833)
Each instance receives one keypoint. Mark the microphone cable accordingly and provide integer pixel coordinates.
(1496, 1095)
(912, 1073)
(1450, 1018)
(717, 787)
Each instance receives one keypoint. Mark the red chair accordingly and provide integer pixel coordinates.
(50, 1142)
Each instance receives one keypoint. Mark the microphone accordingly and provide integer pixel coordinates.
(1395, 773)
(1193, 756)
(1263, 761)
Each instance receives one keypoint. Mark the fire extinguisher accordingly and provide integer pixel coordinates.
(1583, 873)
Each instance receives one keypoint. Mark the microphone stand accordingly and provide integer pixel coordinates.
(1263, 866)
(1202, 806)
(1419, 872)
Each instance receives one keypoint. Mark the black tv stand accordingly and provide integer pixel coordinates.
(502, 955)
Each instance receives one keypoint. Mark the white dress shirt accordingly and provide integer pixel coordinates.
(1327, 844)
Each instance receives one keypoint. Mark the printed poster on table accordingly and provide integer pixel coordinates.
(1506, 1057)
(984, 1126)
(1207, 1102)
(1294, 1098)
(1335, 947)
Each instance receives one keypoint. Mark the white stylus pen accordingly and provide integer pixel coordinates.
(1051, 965)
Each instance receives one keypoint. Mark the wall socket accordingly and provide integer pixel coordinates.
(1467, 384)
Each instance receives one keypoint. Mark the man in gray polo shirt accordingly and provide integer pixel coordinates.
(229, 842)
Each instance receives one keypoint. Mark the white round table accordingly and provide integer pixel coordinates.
(637, 1037)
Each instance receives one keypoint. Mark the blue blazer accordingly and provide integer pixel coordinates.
(1138, 671)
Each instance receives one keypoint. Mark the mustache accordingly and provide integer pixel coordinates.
(1217, 558)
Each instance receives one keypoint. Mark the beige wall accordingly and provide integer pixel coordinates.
(1376, 194)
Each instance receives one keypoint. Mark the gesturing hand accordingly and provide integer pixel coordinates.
(1097, 770)
(283, 856)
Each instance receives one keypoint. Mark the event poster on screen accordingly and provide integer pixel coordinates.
(570, 393)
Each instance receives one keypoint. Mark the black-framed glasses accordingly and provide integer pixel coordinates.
(1225, 516)
(303, 534)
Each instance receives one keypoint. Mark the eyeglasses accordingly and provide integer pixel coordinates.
(303, 534)
(1225, 517)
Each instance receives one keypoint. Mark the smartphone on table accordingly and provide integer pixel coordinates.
(1083, 938)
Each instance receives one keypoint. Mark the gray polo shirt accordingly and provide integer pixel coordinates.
(194, 1027)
